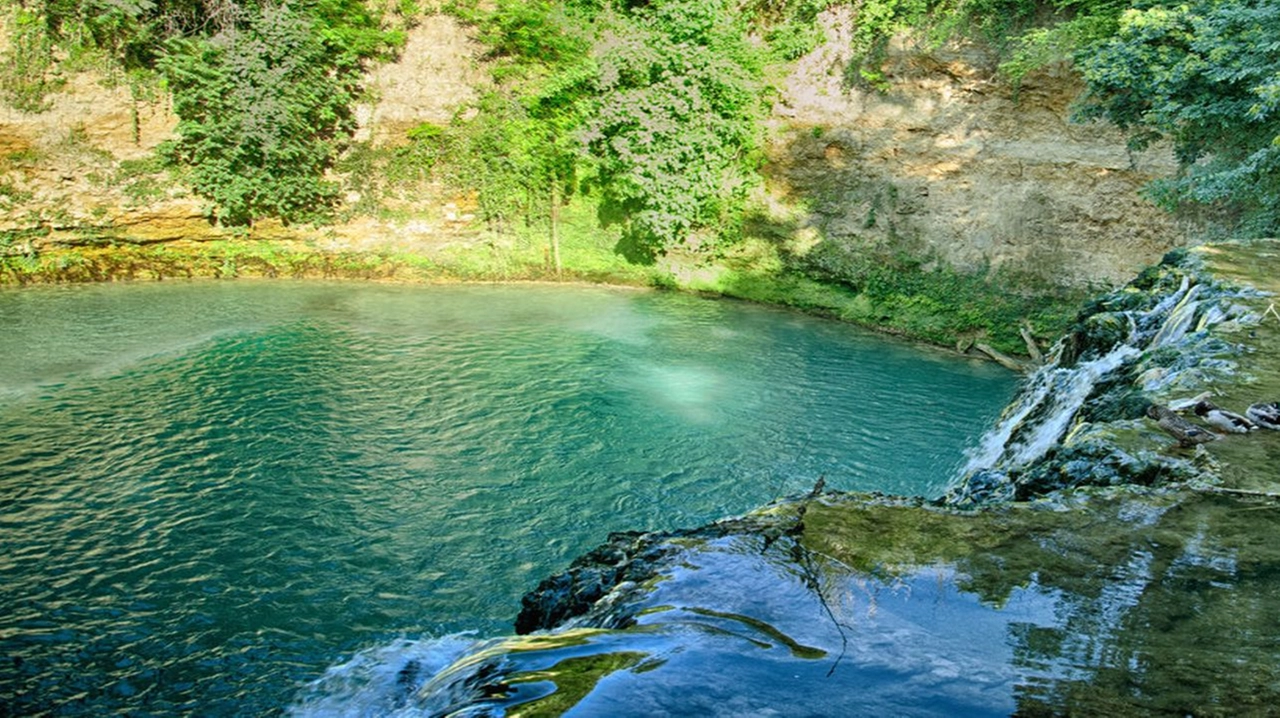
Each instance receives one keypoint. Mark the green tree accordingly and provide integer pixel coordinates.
(557, 112)
(265, 105)
(261, 116)
(1204, 75)
(675, 129)
(522, 150)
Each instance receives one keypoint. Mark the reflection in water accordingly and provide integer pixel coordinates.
(1130, 604)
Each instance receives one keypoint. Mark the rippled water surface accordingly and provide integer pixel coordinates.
(210, 492)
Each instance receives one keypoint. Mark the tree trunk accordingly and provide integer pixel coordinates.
(555, 230)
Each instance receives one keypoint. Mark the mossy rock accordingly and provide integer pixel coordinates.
(1099, 463)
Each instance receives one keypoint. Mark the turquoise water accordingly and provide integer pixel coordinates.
(210, 492)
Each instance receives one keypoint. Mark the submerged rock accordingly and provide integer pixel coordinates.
(593, 585)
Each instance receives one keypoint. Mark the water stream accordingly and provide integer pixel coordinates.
(1048, 403)
(212, 493)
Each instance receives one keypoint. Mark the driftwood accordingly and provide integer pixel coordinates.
(1032, 348)
(1003, 360)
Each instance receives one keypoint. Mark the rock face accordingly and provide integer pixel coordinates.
(954, 164)
(92, 110)
(950, 165)
(436, 73)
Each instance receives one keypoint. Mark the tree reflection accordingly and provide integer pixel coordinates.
(1165, 603)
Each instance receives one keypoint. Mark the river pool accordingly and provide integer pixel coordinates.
(212, 491)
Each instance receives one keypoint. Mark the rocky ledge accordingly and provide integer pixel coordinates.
(1089, 562)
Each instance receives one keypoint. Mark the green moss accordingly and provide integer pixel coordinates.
(940, 306)
(574, 678)
(104, 258)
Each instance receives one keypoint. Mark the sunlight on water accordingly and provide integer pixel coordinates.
(690, 393)
(213, 491)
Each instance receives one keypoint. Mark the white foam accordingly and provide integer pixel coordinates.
(380, 681)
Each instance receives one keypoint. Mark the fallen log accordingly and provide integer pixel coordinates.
(1032, 348)
(1003, 360)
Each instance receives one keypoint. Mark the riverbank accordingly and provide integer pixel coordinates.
(946, 207)
(935, 305)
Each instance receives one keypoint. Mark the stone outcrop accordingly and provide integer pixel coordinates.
(953, 163)
(436, 73)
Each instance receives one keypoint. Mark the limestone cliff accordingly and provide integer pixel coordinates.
(951, 165)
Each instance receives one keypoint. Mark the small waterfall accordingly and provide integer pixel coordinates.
(383, 680)
(1047, 407)
(1180, 318)
(1043, 411)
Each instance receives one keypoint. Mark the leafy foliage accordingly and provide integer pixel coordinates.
(261, 116)
(134, 32)
(675, 129)
(1077, 24)
(265, 105)
(652, 105)
(521, 151)
(30, 58)
(1206, 76)
(263, 90)
(535, 30)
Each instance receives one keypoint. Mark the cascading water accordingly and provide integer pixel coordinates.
(1050, 402)
(1043, 412)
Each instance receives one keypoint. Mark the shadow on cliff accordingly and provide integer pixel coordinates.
(833, 237)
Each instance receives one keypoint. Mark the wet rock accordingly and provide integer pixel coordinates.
(1101, 332)
(1265, 414)
(627, 556)
(1158, 338)
(1119, 396)
(1098, 463)
(1024, 609)
(594, 583)
(986, 486)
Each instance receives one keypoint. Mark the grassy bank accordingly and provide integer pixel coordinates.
(939, 307)
(227, 259)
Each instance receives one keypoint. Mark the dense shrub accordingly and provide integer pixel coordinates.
(263, 90)
(262, 116)
(675, 133)
(1206, 76)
